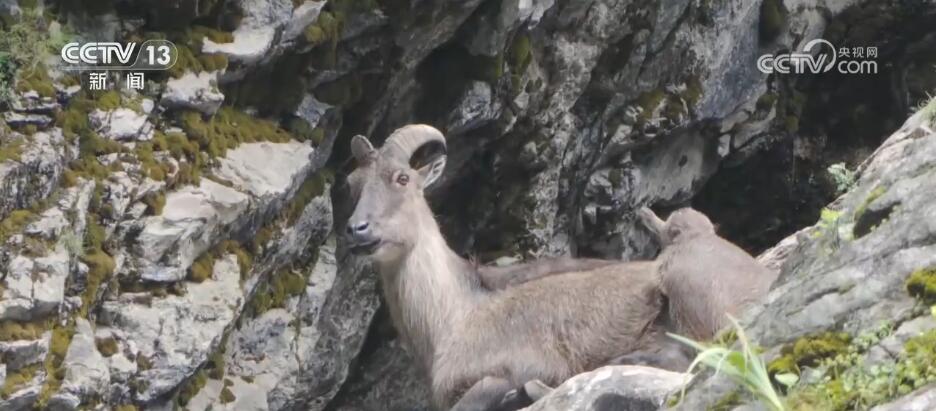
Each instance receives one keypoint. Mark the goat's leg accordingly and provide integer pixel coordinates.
(667, 355)
(653, 223)
(496, 394)
(484, 395)
(499, 278)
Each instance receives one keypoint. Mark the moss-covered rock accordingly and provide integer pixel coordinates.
(17, 380)
(191, 388)
(16, 330)
(773, 16)
(808, 351)
(922, 285)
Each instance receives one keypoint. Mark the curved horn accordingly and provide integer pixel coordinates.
(361, 149)
(407, 139)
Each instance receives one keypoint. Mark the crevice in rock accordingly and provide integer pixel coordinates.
(824, 119)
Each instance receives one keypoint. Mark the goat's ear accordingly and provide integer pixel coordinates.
(432, 171)
(362, 149)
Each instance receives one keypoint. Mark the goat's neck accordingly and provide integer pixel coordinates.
(428, 290)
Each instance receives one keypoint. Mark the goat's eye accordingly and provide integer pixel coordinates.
(402, 179)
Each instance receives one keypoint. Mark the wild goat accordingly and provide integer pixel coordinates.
(703, 275)
(469, 339)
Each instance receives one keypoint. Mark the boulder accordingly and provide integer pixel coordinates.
(620, 388)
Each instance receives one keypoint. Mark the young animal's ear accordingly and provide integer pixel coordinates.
(432, 171)
(362, 149)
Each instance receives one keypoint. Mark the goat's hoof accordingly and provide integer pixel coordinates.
(535, 390)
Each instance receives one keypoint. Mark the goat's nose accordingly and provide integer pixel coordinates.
(359, 228)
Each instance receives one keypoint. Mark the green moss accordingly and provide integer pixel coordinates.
(261, 239)
(55, 373)
(326, 29)
(14, 223)
(15, 330)
(36, 79)
(191, 388)
(876, 193)
(100, 267)
(521, 53)
(727, 402)
(313, 187)
(301, 130)
(649, 101)
(11, 149)
(766, 101)
(791, 124)
(202, 268)
(125, 407)
(693, 92)
(108, 101)
(215, 366)
(248, 379)
(106, 346)
(342, 92)
(922, 285)
(772, 19)
(189, 61)
(808, 351)
(143, 363)
(229, 128)
(284, 284)
(850, 384)
(16, 380)
(244, 259)
(227, 396)
(154, 203)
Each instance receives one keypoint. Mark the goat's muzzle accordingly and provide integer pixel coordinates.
(361, 238)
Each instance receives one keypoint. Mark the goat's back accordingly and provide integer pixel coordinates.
(551, 328)
(706, 277)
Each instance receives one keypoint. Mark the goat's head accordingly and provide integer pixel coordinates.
(686, 223)
(390, 207)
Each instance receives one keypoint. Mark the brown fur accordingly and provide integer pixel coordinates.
(461, 332)
(703, 275)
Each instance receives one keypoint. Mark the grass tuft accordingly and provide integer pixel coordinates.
(745, 367)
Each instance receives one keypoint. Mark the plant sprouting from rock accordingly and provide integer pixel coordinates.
(843, 178)
(745, 367)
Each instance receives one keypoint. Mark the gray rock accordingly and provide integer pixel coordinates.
(191, 221)
(15, 119)
(50, 225)
(264, 175)
(86, 373)
(18, 354)
(36, 173)
(922, 399)
(311, 110)
(848, 272)
(121, 124)
(475, 109)
(255, 35)
(196, 91)
(623, 388)
(265, 169)
(177, 333)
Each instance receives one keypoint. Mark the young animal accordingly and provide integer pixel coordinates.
(471, 340)
(703, 276)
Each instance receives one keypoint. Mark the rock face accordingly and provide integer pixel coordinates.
(624, 388)
(854, 273)
(176, 242)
